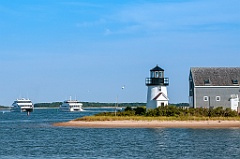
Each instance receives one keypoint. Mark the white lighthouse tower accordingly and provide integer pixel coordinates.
(157, 88)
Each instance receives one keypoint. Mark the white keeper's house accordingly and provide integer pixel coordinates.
(211, 87)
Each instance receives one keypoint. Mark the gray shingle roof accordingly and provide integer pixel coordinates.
(215, 76)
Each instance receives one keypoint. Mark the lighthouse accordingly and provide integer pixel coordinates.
(157, 88)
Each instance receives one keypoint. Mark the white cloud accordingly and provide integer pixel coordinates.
(107, 32)
(151, 17)
(81, 4)
(91, 23)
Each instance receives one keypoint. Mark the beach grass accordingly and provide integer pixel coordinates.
(160, 118)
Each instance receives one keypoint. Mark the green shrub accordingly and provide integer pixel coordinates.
(173, 111)
(128, 108)
(140, 110)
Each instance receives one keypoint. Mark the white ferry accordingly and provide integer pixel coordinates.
(71, 105)
(22, 105)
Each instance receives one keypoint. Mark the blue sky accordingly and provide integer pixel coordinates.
(53, 49)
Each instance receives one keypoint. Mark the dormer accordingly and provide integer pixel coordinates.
(235, 82)
(207, 81)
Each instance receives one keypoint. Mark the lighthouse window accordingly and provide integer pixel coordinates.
(152, 74)
(157, 75)
(160, 74)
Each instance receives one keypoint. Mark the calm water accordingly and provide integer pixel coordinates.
(33, 136)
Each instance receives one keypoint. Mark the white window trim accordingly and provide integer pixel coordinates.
(205, 98)
(218, 98)
(206, 86)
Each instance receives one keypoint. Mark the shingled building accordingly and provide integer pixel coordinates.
(212, 87)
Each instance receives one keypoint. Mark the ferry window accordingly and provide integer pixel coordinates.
(218, 98)
(205, 98)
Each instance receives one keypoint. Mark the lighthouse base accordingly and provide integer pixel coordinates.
(156, 97)
(154, 104)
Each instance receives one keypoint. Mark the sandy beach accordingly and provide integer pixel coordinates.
(151, 124)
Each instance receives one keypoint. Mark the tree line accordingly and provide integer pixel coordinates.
(97, 104)
(91, 104)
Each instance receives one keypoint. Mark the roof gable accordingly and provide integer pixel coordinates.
(215, 76)
(161, 96)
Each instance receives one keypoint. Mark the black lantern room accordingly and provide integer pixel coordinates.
(157, 77)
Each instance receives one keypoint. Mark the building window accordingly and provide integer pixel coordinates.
(235, 81)
(206, 81)
(205, 98)
(218, 98)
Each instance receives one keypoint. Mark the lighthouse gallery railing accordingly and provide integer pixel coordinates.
(157, 81)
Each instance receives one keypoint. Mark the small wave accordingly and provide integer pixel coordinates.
(5, 111)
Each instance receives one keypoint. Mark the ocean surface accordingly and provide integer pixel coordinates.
(34, 137)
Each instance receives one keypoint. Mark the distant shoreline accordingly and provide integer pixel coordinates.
(150, 124)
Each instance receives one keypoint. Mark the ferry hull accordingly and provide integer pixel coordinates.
(22, 109)
(71, 109)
